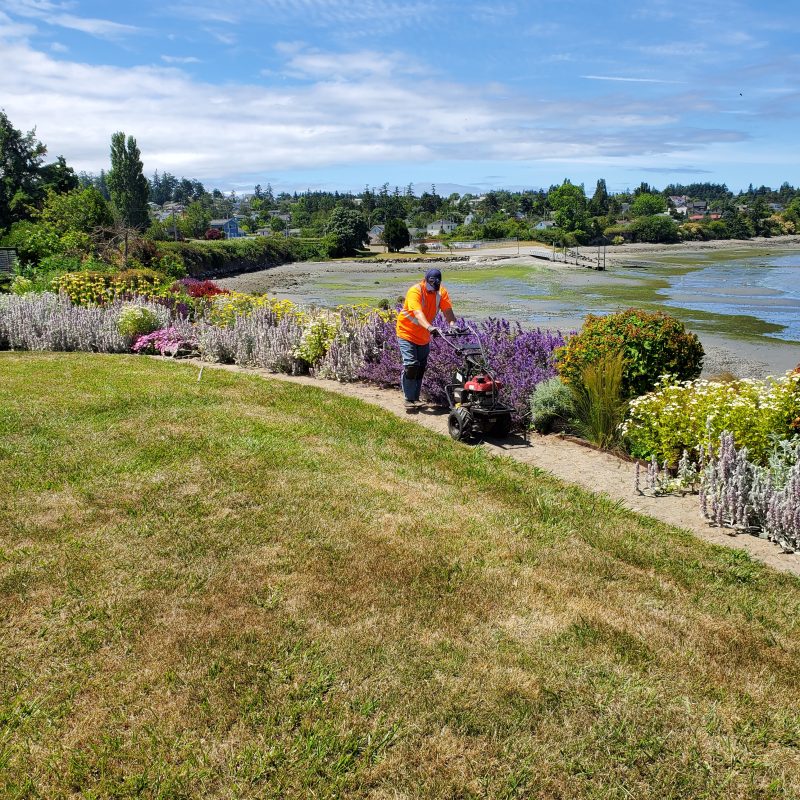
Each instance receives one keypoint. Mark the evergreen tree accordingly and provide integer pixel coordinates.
(598, 205)
(396, 235)
(127, 183)
(20, 160)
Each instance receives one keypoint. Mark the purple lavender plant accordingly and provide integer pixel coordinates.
(520, 358)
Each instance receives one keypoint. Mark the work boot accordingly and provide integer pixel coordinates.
(410, 405)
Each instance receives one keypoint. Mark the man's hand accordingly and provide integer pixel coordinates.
(434, 331)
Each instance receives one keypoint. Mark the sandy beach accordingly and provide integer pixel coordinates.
(331, 282)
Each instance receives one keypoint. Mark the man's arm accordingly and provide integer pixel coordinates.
(449, 316)
(422, 319)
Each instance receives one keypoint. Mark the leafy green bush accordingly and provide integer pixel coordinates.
(21, 285)
(651, 344)
(552, 403)
(597, 401)
(136, 320)
(318, 333)
(680, 416)
(201, 258)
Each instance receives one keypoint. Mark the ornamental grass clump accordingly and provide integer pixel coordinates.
(651, 344)
(598, 406)
(678, 416)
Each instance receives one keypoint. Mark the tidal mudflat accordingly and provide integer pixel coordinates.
(744, 303)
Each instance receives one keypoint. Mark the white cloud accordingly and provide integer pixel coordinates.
(180, 60)
(365, 111)
(626, 80)
(57, 14)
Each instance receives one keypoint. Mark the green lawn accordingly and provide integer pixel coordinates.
(246, 588)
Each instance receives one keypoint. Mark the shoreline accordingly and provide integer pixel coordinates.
(751, 357)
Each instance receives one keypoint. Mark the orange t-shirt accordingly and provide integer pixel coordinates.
(418, 298)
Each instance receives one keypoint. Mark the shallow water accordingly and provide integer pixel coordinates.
(767, 288)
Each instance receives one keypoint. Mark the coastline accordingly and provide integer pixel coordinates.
(745, 357)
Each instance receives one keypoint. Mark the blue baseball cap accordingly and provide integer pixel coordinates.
(433, 279)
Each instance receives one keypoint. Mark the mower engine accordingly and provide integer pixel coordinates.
(481, 390)
(474, 394)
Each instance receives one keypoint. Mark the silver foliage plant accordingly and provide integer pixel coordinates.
(51, 322)
(258, 340)
(355, 340)
(738, 494)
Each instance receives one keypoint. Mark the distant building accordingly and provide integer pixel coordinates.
(439, 226)
(230, 227)
(544, 224)
(375, 234)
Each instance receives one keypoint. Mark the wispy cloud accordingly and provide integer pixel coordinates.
(180, 60)
(353, 14)
(57, 14)
(627, 80)
(303, 62)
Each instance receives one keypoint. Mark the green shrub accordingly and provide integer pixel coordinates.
(599, 408)
(651, 344)
(135, 320)
(21, 285)
(138, 280)
(318, 334)
(172, 265)
(551, 404)
(680, 416)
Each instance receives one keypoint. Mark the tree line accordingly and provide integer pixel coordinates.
(46, 208)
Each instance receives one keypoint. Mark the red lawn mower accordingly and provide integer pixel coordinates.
(473, 397)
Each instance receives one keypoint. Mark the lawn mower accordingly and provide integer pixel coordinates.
(473, 397)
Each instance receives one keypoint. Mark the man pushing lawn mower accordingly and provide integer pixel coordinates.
(424, 300)
(473, 396)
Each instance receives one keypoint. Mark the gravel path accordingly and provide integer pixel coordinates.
(572, 463)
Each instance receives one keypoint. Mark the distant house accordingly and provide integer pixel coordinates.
(287, 218)
(697, 207)
(775, 207)
(441, 226)
(469, 219)
(679, 200)
(375, 234)
(544, 224)
(230, 227)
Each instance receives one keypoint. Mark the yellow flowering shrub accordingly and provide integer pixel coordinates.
(226, 307)
(90, 287)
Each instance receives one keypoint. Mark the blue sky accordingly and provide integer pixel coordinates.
(336, 94)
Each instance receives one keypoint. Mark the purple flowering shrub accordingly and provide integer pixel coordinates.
(520, 358)
(177, 340)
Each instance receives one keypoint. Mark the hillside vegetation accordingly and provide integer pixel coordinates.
(235, 587)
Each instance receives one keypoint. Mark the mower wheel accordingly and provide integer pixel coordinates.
(502, 426)
(459, 424)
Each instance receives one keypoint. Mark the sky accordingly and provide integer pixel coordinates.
(467, 96)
